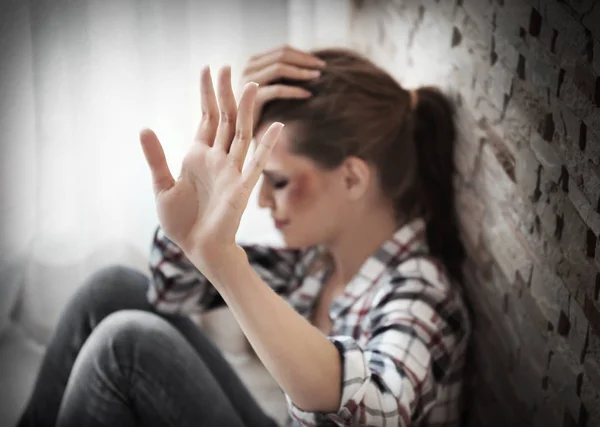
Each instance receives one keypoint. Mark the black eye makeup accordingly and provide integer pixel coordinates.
(276, 181)
(279, 184)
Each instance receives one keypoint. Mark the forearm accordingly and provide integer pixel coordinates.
(301, 359)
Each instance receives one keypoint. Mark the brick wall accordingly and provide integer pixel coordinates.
(525, 75)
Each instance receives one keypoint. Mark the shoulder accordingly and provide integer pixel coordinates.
(420, 285)
(418, 274)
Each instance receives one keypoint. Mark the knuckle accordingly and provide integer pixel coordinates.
(227, 117)
(257, 162)
(241, 135)
(282, 55)
(207, 117)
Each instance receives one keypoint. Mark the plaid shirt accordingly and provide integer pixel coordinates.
(401, 329)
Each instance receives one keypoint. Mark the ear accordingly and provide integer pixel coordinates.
(357, 175)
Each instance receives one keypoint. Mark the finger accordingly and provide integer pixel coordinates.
(287, 55)
(279, 70)
(256, 165)
(155, 157)
(270, 92)
(244, 124)
(228, 110)
(210, 111)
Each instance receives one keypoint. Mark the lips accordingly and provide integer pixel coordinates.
(280, 224)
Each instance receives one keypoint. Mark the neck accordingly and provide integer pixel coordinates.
(361, 239)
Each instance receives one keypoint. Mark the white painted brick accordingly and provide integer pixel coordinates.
(590, 217)
(549, 292)
(547, 156)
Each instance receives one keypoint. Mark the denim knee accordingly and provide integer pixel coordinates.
(127, 337)
(131, 326)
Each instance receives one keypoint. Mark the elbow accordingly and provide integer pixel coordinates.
(320, 398)
(316, 404)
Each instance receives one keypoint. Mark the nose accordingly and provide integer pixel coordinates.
(265, 196)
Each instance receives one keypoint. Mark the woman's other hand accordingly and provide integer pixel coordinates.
(283, 62)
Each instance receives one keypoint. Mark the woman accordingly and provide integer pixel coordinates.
(359, 319)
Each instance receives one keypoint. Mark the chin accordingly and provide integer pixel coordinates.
(297, 240)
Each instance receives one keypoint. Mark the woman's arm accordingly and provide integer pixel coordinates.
(301, 359)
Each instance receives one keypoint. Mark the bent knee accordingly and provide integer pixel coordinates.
(133, 327)
(136, 322)
(125, 341)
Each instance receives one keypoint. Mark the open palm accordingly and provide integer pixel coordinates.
(202, 209)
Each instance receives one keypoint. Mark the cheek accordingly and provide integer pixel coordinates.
(302, 195)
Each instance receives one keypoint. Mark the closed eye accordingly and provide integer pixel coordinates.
(280, 184)
(276, 180)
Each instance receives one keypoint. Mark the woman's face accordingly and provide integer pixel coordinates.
(305, 200)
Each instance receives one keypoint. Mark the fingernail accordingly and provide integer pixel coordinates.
(315, 73)
(321, 62)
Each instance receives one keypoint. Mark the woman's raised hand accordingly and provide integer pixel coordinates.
(283, 62)
(201, 210)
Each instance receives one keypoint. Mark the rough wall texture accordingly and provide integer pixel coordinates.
(525, 75)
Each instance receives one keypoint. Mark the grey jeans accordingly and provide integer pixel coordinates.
(114, 361)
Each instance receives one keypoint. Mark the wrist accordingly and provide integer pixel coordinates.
(219, 265)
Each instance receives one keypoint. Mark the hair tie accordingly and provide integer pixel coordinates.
(414, 98)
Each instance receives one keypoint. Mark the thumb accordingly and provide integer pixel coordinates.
(162, 179)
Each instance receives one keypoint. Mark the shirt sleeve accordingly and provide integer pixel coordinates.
(176, 285)
(393, 379)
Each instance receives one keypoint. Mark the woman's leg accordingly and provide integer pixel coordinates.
(136, 368)
(105, 292)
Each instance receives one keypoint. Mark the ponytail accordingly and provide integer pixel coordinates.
(435, 136)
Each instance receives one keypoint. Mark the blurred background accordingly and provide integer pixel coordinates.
(80, 78)
(78, 81)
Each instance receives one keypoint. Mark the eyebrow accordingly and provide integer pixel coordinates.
(272, 175)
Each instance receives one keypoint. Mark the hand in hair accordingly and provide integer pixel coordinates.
(283, 62)
(201, 210)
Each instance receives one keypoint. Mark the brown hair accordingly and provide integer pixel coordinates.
(358, 109)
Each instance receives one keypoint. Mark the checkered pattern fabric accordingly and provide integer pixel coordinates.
(401, 327)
